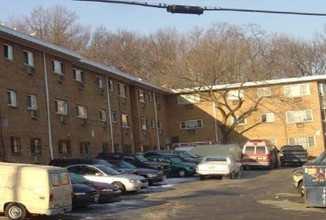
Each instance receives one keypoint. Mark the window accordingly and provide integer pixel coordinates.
(124, 120)
(102, 115)
(263, 92)
(306, 142)
(110, 85)
(8, 52)
(36, 146)
(237, 121)
(150, 97)
(11, 98)
(159, 124)
(299, 116)
(64, 147)
(81, 111)
(234, 95)
(153, 123)
(99, 82)
(267, 117)
(188, 99)
(78, 75)
(191, 124)
(143, 123)
(31, 102)
(297, 90)
(57, 67)
(84, 148)
(28, 58)
(114, 117)
(157, 99)
(61, 107)
(122, 90)
(15, 145)
(141, 95)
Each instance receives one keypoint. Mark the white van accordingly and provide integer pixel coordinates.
(34, 189)
(259, 153)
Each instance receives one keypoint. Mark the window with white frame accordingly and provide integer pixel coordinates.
(306, 142)
(99, 82)
(150, 97)
(61, 107)
(28, 58)
(125, 120)
(12, 98)
(237, 120)
(297, 90)
(57, 67)
(141, 96)
(299, 116)
(78, 75)
(122, 90)
(191, 124)
(81, 111)
(143, 123)
(15, 145)
(31, 102)
(153, 123)
(188, 99)
(267, 117)
(234, 94)
(102, 115)
(8, 52)
(264, 92)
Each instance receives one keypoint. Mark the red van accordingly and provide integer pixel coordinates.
(259, 154)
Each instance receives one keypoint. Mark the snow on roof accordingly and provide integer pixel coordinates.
(254, 84)
(108, 70)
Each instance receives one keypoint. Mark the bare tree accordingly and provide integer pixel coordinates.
(57, 25)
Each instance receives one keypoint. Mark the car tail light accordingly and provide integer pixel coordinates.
(51, 198)
(268, 157)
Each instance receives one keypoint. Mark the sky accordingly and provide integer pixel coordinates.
(146, 20)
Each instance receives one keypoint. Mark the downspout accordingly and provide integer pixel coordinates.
(156, 121)
(110, 112)
(2, 145)
(215, 121)
(47, 106)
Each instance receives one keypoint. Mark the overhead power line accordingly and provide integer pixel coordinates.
(185, 9)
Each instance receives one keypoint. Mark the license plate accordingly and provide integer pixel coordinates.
(259, 158)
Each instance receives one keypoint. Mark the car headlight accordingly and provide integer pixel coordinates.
(107, 190)
(298, 174)
(79, 193)
(135, 181)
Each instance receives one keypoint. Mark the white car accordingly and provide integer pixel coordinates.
(219, 165)
(105, 174)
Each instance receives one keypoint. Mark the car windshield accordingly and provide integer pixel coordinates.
(292, 148)
(76, 178)
(175, 160)
(321, 159)
(125, 164)
(107, 170)
(141, 158)
(104, 162)
(222, 159)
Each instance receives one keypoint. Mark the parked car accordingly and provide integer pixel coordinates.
(105, 174)
(219, 165)
(152, 175)
(178, 167)
(297, 177)
(259, 154)
(83, 195)
(293, 155)
(137, 159)
(184, 155)
(107, 192)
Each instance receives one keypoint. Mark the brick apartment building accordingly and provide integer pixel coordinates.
(55, 103)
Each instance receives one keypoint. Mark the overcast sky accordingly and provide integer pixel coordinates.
(146, 20)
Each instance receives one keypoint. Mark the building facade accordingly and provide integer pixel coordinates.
(55, 103)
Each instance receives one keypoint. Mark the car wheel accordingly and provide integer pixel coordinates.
(182, 173)
(120, 186)
(232, 175)
(15, 211)
(301, 188)
(202, 177)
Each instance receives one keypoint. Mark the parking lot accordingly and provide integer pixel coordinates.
(258, 194)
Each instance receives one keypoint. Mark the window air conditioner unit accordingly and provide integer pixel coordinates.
(63, 118)
(30, 70)
(33, 114)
